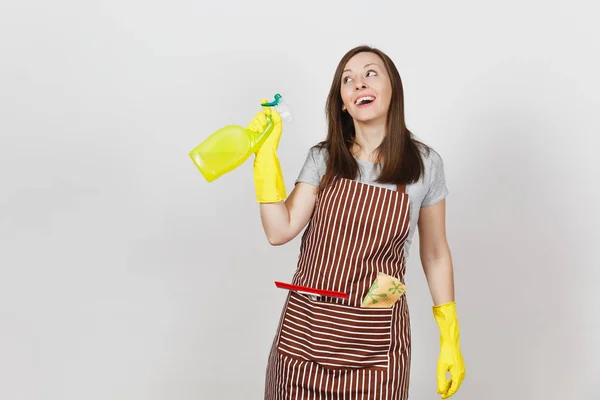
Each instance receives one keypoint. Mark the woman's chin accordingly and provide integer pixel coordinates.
(368, 118)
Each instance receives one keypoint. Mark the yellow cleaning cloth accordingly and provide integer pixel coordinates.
(384, 292)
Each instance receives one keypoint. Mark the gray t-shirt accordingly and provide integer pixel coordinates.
(429, 190)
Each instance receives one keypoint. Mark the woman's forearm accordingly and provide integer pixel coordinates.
(283, 220)
(439, 273)
(275, 219)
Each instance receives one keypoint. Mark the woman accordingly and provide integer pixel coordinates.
(360, 195)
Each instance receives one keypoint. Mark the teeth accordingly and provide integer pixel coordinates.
(363, 99)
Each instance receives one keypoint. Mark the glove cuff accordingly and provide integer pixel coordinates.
(268, 178)
(445, 311)
(447, 320)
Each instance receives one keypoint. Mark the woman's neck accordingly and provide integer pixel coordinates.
(368, 138)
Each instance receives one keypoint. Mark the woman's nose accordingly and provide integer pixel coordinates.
(360, 85)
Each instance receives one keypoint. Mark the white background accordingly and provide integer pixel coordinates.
(125, 275)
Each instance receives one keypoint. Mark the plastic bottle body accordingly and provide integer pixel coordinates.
(226, 149)
(230, 146)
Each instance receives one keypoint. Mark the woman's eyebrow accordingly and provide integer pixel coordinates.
(346, 70)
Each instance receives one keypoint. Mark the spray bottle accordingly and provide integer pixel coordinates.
(230, 146)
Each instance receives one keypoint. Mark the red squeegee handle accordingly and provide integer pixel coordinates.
(329, 293)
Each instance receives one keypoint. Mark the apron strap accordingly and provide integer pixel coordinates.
(402, 188)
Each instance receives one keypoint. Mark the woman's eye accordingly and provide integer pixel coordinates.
(346, 79)
(371, 72)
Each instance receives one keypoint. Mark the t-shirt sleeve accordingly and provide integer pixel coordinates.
(437, 181)
(313, 169)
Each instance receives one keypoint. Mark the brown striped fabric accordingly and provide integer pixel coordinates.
(330, 348)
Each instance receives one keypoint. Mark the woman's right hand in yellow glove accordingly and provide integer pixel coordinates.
(285, 217)
(268, 177)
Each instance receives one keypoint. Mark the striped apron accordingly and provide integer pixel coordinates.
(331, 348)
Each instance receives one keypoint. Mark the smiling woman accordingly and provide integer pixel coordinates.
(372, 102)
(360, 195)
(375, 131)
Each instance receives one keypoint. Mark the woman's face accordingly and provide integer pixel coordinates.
(366, 89)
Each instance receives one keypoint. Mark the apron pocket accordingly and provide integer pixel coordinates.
(335, 336)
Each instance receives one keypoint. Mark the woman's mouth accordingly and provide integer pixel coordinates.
(364, 101)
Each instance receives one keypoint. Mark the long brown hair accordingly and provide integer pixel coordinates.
(401, 161)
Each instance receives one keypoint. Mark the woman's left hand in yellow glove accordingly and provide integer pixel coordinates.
(450, 358)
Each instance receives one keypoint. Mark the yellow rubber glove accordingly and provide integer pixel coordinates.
(450, 358)
(268, 178)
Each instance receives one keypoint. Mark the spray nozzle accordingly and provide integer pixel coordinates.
(282, 108)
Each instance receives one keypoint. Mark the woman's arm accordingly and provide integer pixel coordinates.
(283, 217)
(437, 265)
(283, 220)
(435, 253)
